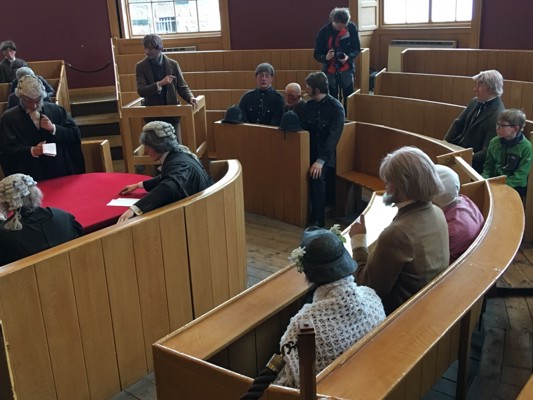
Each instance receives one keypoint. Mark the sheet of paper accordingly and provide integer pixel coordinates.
(122, 202)
(49, 149)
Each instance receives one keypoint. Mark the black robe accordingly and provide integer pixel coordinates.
(18, 134)
(42, 228)
(181, 176)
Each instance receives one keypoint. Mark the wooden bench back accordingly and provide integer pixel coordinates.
(243, 60)
(512, 64)
(449, 89)
(275, 165)
(197, 364)
(426, 118)
(362, 146)
(80, 318)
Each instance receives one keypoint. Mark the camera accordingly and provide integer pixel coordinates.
(339, 55)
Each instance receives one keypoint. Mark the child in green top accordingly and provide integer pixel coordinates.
(510, 152)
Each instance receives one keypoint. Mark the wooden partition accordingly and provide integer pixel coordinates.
(449, 89)
(55, 74)
(512, 64)
(79, 319)
(275, 165)
(400, 359)
(193, 128)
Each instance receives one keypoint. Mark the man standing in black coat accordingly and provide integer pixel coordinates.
(324, 119)
(30, 125)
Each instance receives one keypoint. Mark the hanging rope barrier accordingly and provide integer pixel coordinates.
(85, 71)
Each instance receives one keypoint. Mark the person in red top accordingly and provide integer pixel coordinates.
(337, 44)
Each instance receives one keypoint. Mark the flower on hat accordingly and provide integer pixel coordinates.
(296, 257)
(336, 229)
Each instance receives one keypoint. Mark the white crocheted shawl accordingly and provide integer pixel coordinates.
(342, 313)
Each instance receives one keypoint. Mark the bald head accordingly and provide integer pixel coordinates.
(293, 93)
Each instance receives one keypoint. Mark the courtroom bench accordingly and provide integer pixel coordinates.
(450, 89)
(400, 359)
(79, 319)
(428, 118)
(126, 56)
(512, 64)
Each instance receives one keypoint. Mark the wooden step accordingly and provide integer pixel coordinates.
(114, 140)
(97, 119)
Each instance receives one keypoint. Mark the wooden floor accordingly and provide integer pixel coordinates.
(502, 355)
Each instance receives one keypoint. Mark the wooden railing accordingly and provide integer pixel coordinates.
(512, 64)
(418, 341)
(79, 319)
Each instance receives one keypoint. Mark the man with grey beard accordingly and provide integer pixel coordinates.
(30, 125)
(414, 248)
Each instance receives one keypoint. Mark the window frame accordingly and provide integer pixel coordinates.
(429, 24)
(126, 23)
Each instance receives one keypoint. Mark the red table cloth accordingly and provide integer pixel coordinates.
(86, 196)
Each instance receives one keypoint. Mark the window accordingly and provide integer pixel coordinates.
(172, 16)
(426, 11)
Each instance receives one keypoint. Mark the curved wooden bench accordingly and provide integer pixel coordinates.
(512, 64)
(451, 89)
(79, 319)
(416, 343)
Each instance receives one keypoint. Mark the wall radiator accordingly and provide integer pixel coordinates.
(183, 48)
(397, 46)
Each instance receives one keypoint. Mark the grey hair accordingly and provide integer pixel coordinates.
(412, 172)
(159, 144)
(493, 79)
(340, 14)
(23, 71)
(513, 116)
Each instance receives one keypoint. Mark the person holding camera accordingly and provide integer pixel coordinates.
(337, 44)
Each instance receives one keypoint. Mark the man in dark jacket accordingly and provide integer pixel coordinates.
(160, 80)
(324, 119)
(337, 45)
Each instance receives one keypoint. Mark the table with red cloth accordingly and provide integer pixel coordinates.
(86, 196)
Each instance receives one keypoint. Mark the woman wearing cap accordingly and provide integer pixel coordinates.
(30, 228)
(342, 312)
(464, 219)
(182, 174)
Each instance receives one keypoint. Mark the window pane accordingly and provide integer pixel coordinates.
(443, 10)
(186, 15)
(208, 15)
(394, 11)
(464, 10)
(417, 11)
(164, 18)
(141, 18)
